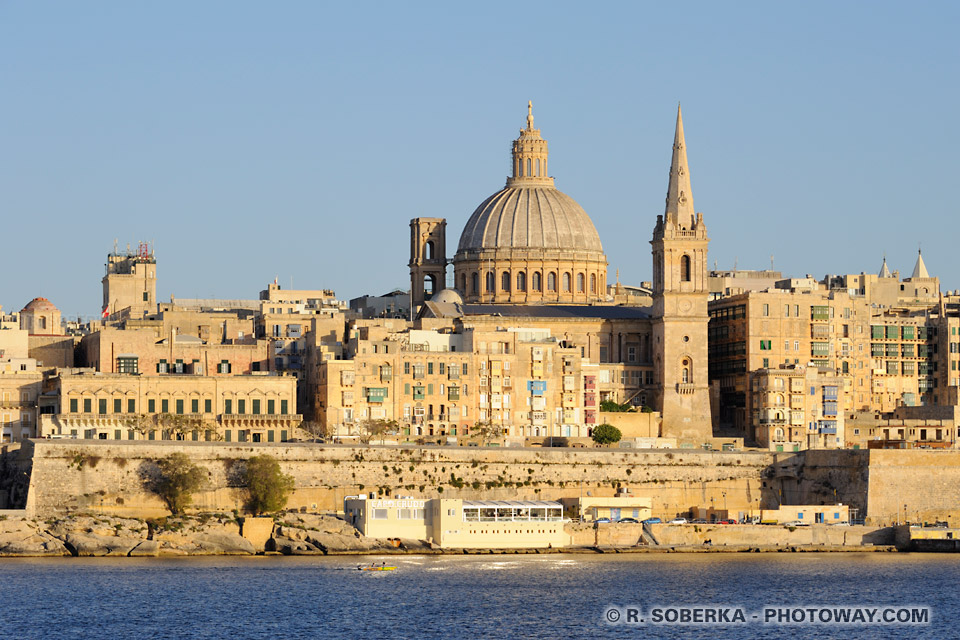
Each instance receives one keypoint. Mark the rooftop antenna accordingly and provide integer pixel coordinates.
(736, 259)
(771, 262)
(114, 246)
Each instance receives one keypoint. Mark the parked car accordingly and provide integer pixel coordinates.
(699, 521)
(602, 520)
(678, 521)
(628, 520)
(652, 521)
(727, 522)
(793, 523)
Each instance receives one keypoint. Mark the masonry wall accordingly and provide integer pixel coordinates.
(914, 485)
(83, 476)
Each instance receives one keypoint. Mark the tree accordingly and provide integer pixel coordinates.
(606, 434)
(179, 478)
(612, 406)
(371, 429)
(267, 485)
(487, 431)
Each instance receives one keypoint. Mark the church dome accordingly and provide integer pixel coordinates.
(449, 296)
(530, 243)
(39, 304)
(530, 217)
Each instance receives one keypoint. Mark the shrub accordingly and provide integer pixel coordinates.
(267, 485)
(606, 434)
(179, 478)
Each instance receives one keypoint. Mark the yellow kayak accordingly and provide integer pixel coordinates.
(377, 568)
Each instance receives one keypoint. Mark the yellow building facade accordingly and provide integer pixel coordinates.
(105, 406)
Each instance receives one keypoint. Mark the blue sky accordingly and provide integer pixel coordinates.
(261, 140)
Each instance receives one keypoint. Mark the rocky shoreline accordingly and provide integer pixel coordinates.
(294, 534)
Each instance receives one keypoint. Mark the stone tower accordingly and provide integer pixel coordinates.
(680, 294)
(428, 260)
(130, 282)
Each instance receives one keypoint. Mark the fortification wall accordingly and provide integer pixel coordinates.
(108, 477)
(87, 476)
(913, 485)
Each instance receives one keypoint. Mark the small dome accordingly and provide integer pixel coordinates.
(39, 304)
(449, 296)
(530, 218)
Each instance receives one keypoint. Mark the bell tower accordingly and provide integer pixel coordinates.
(680, 292)
(428, 260)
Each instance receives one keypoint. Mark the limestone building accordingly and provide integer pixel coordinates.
(528, 243)
(130, 283)
(126, 406)
(530, 262)
(797, 407)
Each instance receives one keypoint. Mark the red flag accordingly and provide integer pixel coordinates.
(106, 311)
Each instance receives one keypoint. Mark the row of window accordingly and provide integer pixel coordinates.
(272, 435)
(179, 406)
(536, 282)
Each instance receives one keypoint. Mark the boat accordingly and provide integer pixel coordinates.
(377, 568)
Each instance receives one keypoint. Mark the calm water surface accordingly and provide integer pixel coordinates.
(551, 596)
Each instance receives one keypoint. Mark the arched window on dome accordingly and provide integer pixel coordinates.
(529, 162)
(581, 283)
(593, 283)
(685, 268)
(463, 283)
(521, 281)
(475, 283)
(537, 281)
(536, 168)
(491, 284)
(505, 281)
(566, 281)
(552, 281)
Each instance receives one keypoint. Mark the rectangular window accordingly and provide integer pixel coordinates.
(117, 405)
(127, 364)
(241, 406)
(164, 406)
(73, 406)
(179, 406)
(223, 367)
(406, 368)
(256, 407)
(430, 368)
(208, 405)
(766, 363)
(766, 345)
(283, 407)
(893, 332)
(271, 407)
(87, 405)
(131, 405)
(766, 310)
(908, 333)
(195, 405)
(228, 406)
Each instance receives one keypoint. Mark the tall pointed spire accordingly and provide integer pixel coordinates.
(679, 194)
(529, 115)
(920, 269)
(884, 271)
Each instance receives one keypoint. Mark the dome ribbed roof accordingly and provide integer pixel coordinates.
(530, 218)
(39, 304)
